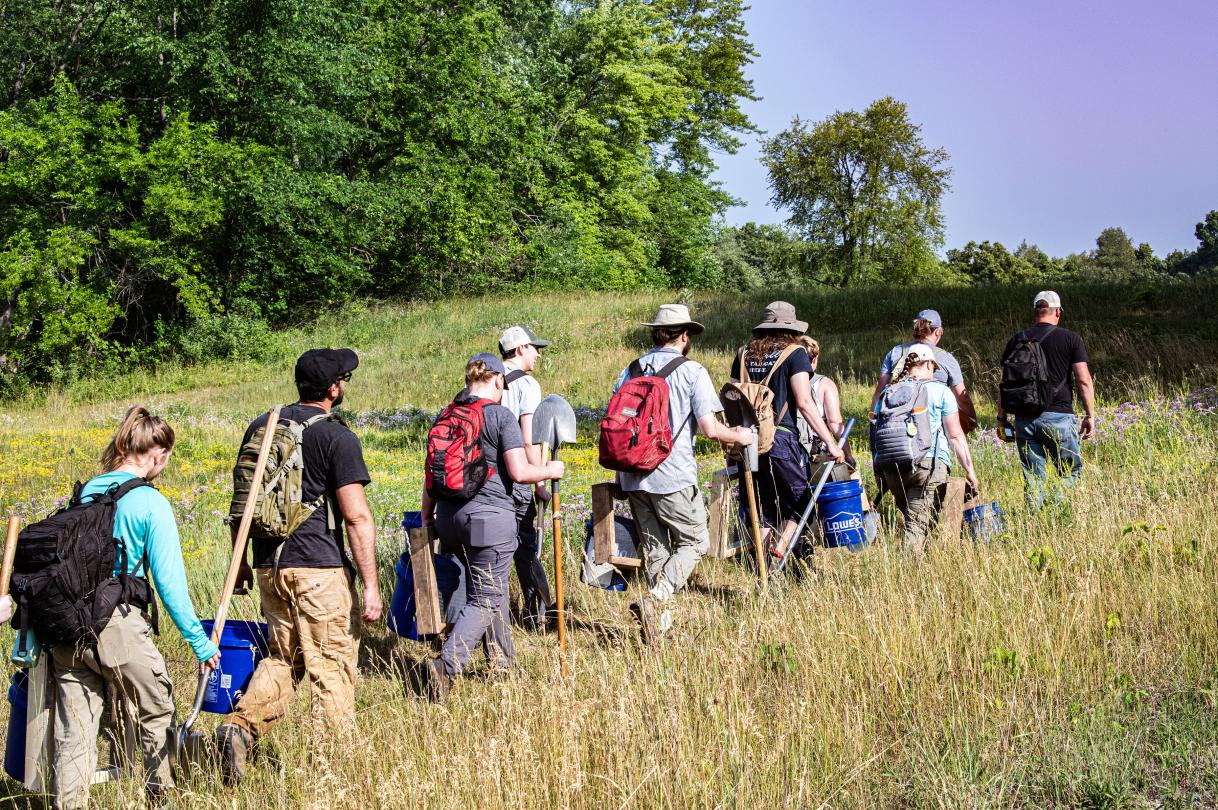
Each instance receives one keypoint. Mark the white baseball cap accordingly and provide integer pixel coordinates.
(516, 336)
(1050, 299)
(921, 352)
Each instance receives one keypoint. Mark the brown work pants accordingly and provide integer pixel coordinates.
(313, 624)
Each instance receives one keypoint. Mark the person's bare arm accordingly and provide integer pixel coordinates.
(533, 453)
(879, 389)
(710, 427)
(1086, 390)
(361, 534)
(955, 437)
(525, 472)
(968, 413)
(801, 390)
(833, 414)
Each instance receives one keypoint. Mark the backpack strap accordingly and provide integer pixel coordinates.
(670, 367)
(782, 358)
(514, 375)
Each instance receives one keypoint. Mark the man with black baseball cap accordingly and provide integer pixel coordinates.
(521, 349)
(307, 582)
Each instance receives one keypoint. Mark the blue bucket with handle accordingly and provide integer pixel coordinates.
(840, 509)
(242, 646)
(14, 747)
(985, 521)
(402, 618)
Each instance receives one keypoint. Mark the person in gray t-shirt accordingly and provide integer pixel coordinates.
(521, 349)
(668, 511)
(928, 329)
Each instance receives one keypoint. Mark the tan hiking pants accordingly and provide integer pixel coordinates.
(313, 625)
(126, 658)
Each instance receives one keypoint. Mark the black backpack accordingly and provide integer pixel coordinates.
(1025, 388)
(63, 572)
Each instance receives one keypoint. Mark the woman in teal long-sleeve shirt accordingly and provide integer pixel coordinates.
(125, 655)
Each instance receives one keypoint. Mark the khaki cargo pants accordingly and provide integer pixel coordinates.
(918, 491)
(313, 625)
(127, 658)
(672, 531)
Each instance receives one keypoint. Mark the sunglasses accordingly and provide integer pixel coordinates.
(345, 377)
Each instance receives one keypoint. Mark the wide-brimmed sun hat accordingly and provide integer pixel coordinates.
(781, 315)
(671, 316)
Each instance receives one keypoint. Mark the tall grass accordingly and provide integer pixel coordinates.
(1074, 663)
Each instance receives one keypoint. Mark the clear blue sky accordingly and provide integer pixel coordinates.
(1061, 118)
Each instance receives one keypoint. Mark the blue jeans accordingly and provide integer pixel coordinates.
(1050, 436)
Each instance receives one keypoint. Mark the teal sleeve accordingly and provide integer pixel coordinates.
(168, 573)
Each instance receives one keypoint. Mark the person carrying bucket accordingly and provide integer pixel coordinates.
(475, 454)
(520, 350)
(124, 654)
(306, 582)
(775, 359)
(915, 430)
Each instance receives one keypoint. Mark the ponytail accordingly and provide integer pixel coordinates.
(906, 368)
(922, 329)
(477, 372)
(139, 432)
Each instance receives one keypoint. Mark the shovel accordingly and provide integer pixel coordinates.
(553, 426)
(738, 412)
(192, 747)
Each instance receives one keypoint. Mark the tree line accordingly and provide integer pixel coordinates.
(175, 171)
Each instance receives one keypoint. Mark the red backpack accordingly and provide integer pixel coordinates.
(456, 468)
(636, 434)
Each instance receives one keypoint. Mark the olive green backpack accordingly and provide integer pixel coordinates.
(280, 509)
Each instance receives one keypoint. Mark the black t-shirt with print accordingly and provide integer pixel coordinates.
(780, 383)
(333, 458)
(1062, 349)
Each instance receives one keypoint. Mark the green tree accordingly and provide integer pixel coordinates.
(990, 263)
(1115, 256)
(864, 188)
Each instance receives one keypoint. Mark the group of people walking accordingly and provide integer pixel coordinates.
(307, 583)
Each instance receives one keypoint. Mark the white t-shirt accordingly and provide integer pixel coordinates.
(522, 396)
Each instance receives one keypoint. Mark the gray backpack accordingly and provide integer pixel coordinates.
(901, 433)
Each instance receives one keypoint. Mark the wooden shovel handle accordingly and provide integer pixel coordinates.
(10, 551)
(243, 528)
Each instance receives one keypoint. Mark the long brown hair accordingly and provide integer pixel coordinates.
(910, 361)
(922, 329)
(139, 432)
(765, 341)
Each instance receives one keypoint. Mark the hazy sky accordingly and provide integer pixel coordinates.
(1061, 118)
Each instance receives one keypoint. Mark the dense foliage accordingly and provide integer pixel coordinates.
(176, 167)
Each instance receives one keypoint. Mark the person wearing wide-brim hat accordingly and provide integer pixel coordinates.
(775, 357)
(668, 510)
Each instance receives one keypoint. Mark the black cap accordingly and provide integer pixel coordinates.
(321, 368)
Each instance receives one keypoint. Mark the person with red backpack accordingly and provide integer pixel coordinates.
(647, 436)
(475, 454)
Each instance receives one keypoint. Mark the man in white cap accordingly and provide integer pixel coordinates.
(668, 511)
(521, 349)
(1039, 368)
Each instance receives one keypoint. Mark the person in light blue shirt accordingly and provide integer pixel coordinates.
(125, 655)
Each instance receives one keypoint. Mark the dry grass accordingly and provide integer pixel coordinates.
(1072, 665)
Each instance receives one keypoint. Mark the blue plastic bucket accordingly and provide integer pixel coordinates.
(985, 522)
(14, 749)
(242, 646)
(840, 507)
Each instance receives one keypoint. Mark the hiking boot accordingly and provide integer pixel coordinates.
(439, 682)
(646, 613)
(233, 743)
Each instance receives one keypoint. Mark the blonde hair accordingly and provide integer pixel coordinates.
(811, 345)
(477, 372)
(139, 432)
(922, 329)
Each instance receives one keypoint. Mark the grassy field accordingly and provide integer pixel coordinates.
(1073, 664)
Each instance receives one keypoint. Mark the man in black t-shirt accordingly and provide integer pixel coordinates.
(1053, 434)
(307, 582)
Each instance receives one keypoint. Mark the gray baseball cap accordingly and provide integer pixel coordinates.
(491, 362)
(936, 322)
(515, 336)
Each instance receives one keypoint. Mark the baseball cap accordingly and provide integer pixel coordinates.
(931, 315)
(321, 368)
(1050, 299)
(921, 352)
(491, 362)
(516, 336)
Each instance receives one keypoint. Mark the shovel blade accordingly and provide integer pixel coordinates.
(554, 422)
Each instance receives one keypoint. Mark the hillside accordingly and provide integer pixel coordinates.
(1075, 663)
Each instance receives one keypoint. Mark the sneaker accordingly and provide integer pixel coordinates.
(646, 614)
(234, 743)
(439, 682)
